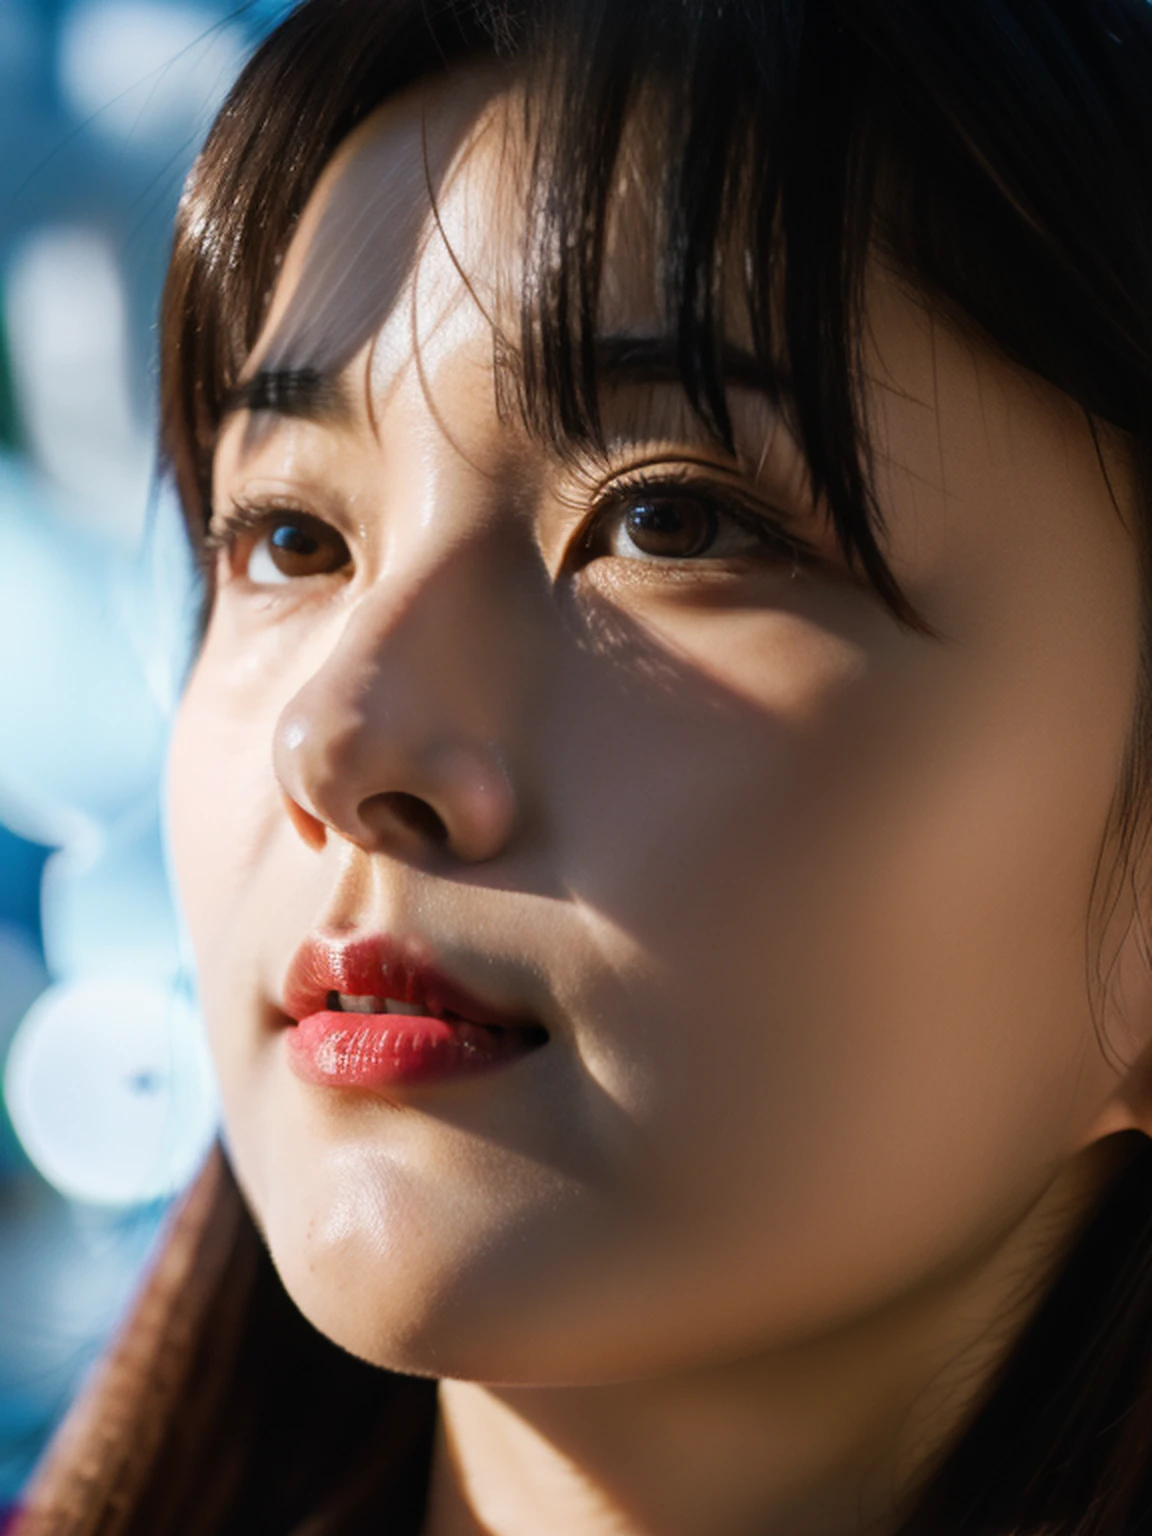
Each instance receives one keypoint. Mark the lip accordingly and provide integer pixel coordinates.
(457, 1035)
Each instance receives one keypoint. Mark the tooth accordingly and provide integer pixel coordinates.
(348, 1002)
(352, 1004)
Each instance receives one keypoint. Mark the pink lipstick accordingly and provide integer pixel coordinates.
(375, 1013)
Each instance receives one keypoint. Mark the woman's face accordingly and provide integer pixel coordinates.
(780, 907)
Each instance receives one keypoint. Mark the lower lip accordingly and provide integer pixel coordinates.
(390, 1050)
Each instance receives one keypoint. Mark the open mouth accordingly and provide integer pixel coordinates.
(371, 1014)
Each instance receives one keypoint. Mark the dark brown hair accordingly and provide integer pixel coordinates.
(998, 154)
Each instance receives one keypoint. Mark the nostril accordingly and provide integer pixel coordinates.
(411, 812)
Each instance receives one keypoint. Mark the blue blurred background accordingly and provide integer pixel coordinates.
(107, 1103)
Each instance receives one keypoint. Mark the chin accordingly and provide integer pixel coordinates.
(431, 1279)
(420, 1313)
(423, 1272)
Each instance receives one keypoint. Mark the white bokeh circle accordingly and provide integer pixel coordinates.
(110, 1090)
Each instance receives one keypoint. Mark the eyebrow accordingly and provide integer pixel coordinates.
(308, 394)
(657, 360)
(305, 394)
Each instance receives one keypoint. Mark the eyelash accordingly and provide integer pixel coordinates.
(755, 518)
(229, 526)
(255, 519)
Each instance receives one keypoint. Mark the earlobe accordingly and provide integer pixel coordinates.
(1130, 1107)
(1123, 1035)
(1120, 1114)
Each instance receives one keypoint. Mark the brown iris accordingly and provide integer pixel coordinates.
(305, 546)
(670, 527)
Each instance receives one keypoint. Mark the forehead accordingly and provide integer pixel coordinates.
(428, 200)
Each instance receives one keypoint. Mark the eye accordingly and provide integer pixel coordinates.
(672, 522)
(287, 546)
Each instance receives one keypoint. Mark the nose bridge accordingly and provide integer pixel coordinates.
(417, 704)
(431, 643)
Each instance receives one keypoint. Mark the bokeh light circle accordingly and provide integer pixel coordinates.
(109, 1088)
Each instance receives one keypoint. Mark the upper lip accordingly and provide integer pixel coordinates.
(381, 966)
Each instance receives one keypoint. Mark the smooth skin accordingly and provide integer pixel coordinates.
(804, 898)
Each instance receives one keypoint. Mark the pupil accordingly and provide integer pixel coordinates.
(677, 526)
(293, 540)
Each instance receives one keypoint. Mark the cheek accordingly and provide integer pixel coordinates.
(226, 805)
(862, 898)
(223, 798)
(229, 832)
(227, 839)
(685, 762)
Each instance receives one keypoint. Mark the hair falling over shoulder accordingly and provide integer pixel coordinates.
(998, 152)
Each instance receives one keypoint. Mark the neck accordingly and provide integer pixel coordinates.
(825, 1437)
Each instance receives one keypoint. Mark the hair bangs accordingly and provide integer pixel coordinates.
(797, 143)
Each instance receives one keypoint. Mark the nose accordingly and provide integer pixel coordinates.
(394, 743)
